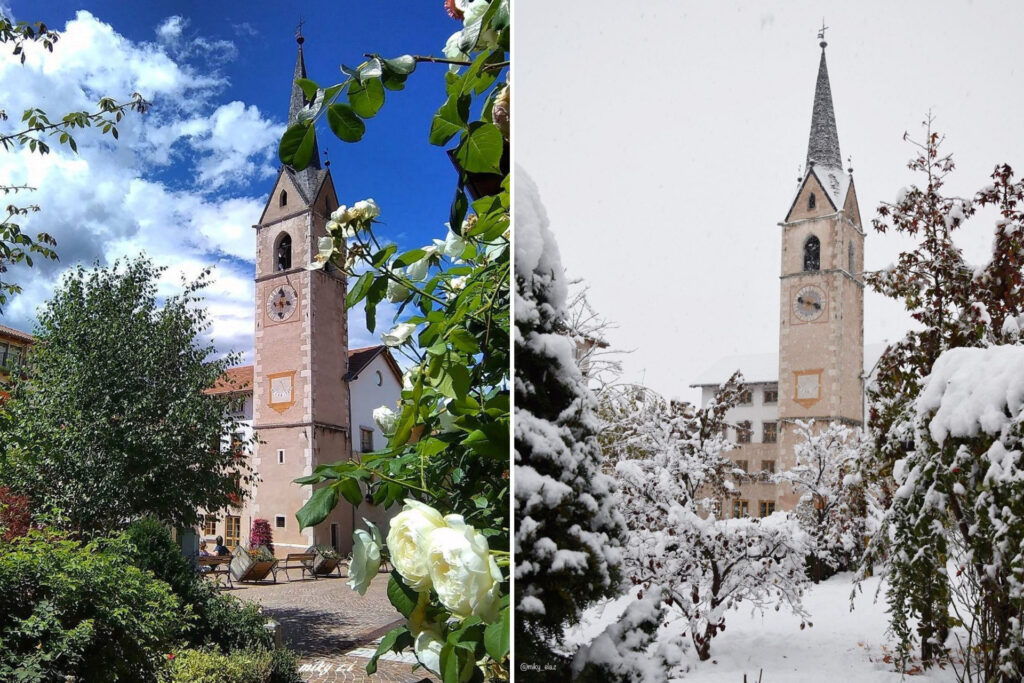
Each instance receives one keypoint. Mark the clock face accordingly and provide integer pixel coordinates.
(809, 303)
(281, 303)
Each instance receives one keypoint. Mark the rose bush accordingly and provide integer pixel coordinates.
(448, 445)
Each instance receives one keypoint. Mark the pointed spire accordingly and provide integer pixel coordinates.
(308, 178)
(298, 100)
(823, 147)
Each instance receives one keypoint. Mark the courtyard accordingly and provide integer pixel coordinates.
(334, 630)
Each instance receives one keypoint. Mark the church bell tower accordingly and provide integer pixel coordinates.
(821, 322)
(301, 410)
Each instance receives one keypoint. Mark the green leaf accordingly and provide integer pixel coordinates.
(496, 637)
(318, 507)
(366, 98)
(431, 447)
(481, 149)
(359, 290)
(291, 141)
(387, 644)
(304, 154)
(450, 119)
(409, 257)
(393, 81)
(403, 65)
(457, 213)
(309, 88)
(449, 664)
(344, 123)
(331, 92)
(404, 429)
(401, 596)
(378, 259)
(351, 491)
(463, 340)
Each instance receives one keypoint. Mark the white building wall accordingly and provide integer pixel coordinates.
(368, 395)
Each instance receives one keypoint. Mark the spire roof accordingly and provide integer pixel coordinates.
(310, 177)
(823, 146)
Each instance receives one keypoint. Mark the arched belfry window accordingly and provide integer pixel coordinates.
(284, 198)
(812, 201)
(851, 258)
(812, 254)
(283, 252)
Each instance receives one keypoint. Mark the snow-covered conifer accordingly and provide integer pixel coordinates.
(568, 532)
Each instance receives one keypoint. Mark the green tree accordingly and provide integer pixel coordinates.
(34, 132)
(114, 424)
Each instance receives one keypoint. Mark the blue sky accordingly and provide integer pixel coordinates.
(188, 179)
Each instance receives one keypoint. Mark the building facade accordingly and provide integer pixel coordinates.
(820, 369)
(14, 346)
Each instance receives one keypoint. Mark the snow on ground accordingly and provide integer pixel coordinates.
(842, 645)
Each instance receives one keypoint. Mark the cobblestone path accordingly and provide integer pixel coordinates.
(333, 628)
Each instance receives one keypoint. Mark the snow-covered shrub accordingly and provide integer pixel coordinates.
(960, 505)
(568, 533)
(627, 651)
(674, 482)
(833, 508)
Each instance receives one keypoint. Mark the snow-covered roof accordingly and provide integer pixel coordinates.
(761, 368)
(756, 367)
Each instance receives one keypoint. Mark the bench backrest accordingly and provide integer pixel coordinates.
(214, 560)
(300, 557)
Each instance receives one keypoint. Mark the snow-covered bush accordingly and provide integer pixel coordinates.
(674, 482)
(568, 533)
(627, 650)
(833, 508)
(960, 505)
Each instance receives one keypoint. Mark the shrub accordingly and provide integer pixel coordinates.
(247, 666)
(261, 535)
(82, 610)
(15, 514)
(222, 622)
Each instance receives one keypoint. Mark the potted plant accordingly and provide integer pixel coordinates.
(252, 564)
(327, 559)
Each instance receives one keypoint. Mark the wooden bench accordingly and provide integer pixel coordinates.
(303, 561)
(218, 566)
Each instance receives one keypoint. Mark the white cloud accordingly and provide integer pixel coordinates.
(101, 205)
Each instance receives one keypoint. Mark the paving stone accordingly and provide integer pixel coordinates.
(332, 628)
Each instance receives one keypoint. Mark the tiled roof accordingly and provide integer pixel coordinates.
(12, 333)
(358, 359)
(237, 380)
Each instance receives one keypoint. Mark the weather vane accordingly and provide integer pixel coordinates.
(821, 33)
(298, 31)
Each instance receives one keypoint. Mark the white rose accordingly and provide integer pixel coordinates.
(408, 380)
(408, 539)
(385, 419)
(462, 570)
(366, 209)
(453, 51)
(398, 334)
(417, 272)
(341, 215)
(454, 245)
(427, 647)
(365, 558)
(397, 292)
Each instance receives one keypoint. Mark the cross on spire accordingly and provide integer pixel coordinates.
(821, 33)
(298, 31)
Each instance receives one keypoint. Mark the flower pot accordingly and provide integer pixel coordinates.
(327, 560)
(246, 567)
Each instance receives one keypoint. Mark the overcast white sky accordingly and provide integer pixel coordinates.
(665, 138)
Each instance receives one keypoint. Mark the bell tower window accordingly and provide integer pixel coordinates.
(812, 201)
(283, 253)
(812, 254)
(283, 198)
